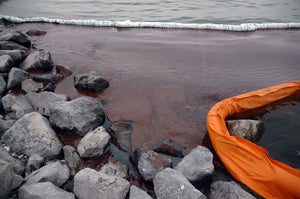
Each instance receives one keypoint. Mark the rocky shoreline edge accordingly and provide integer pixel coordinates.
(36, 162)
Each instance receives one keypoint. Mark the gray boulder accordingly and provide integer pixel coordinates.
(65, 70)
(228, 190)
(5, 125)
(43, 190)
(34, 163)
(197, 165)
(73, 160)
(17, 105)
(78, 116)
(17, 165)
(99, 185)
(30, 86)
(115, 169)
(6, 63)
(171, 184)
(9, 45)
(249, 129)
(2, 85)
(6, 179)
(137, 193)
(41, 101)
(149, 163)
(54, 172)
(15, 78)
(168, 147)
(91, 81)
(94, 144)
(16, 36)
(37, 60)
(26, 137)
(17, 55)
(121, 133)
(18, 180)
(47, 78)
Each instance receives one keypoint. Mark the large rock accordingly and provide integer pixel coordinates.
(47, 78)
(91, 81)
(115, 169)
(121, 132)
(64, 70)
(37, 60)
(94, 144)
(73, 160)
(168, 147)
(15, 78)
(228, 190)
(32, 134)
(249, 129)
(34, 163)
(17, 105)
(41, 101)
(9, 45)
(197, 165)
(78, 116)
(6, 179)
(137, 193)
(99, 185)
(54, 172)
(171, 184)
(30, 86)
(5, 125)
(43, 190)
(17, 55)
(149, 163)
(34, 32)
(6, 63)
(18, 180)
(2, 85)
(17, 165)
(17, 37)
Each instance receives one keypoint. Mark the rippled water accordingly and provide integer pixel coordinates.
(196, 11)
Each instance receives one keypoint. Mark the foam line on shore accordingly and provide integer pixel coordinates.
(171, 25)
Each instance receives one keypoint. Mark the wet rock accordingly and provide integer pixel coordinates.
(37, 60)
(91, 81)
(168, 147)
(115, 169)
(17, 55)
(5, 125)
(121, 132)
(34, 32)
(73, 160)
(30, 86)
(137, 193)
(54, 172)
(48, 78)
(99, 185)
(49, 87)
(17, 165)
(78, 116)
(41, 101)
(6, 179)
(9, 45)
(66, 71)
(2, 85)
(18, 105)
(197, 165)
(94, 144)
(18, 180)
(249, 129)
(26, 137)
(228, 190)
(17, 37)
(43, 190)
(149, 163)
(170, 184)
(34, 163)
(15, 78)
(6, 63)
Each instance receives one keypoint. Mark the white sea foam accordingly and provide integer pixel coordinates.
(172, 25)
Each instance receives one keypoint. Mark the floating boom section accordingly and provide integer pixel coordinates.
(247, 162)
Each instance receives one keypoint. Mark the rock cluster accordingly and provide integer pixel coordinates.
(36, 163)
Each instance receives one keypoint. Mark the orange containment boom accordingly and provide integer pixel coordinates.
(247, 162)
